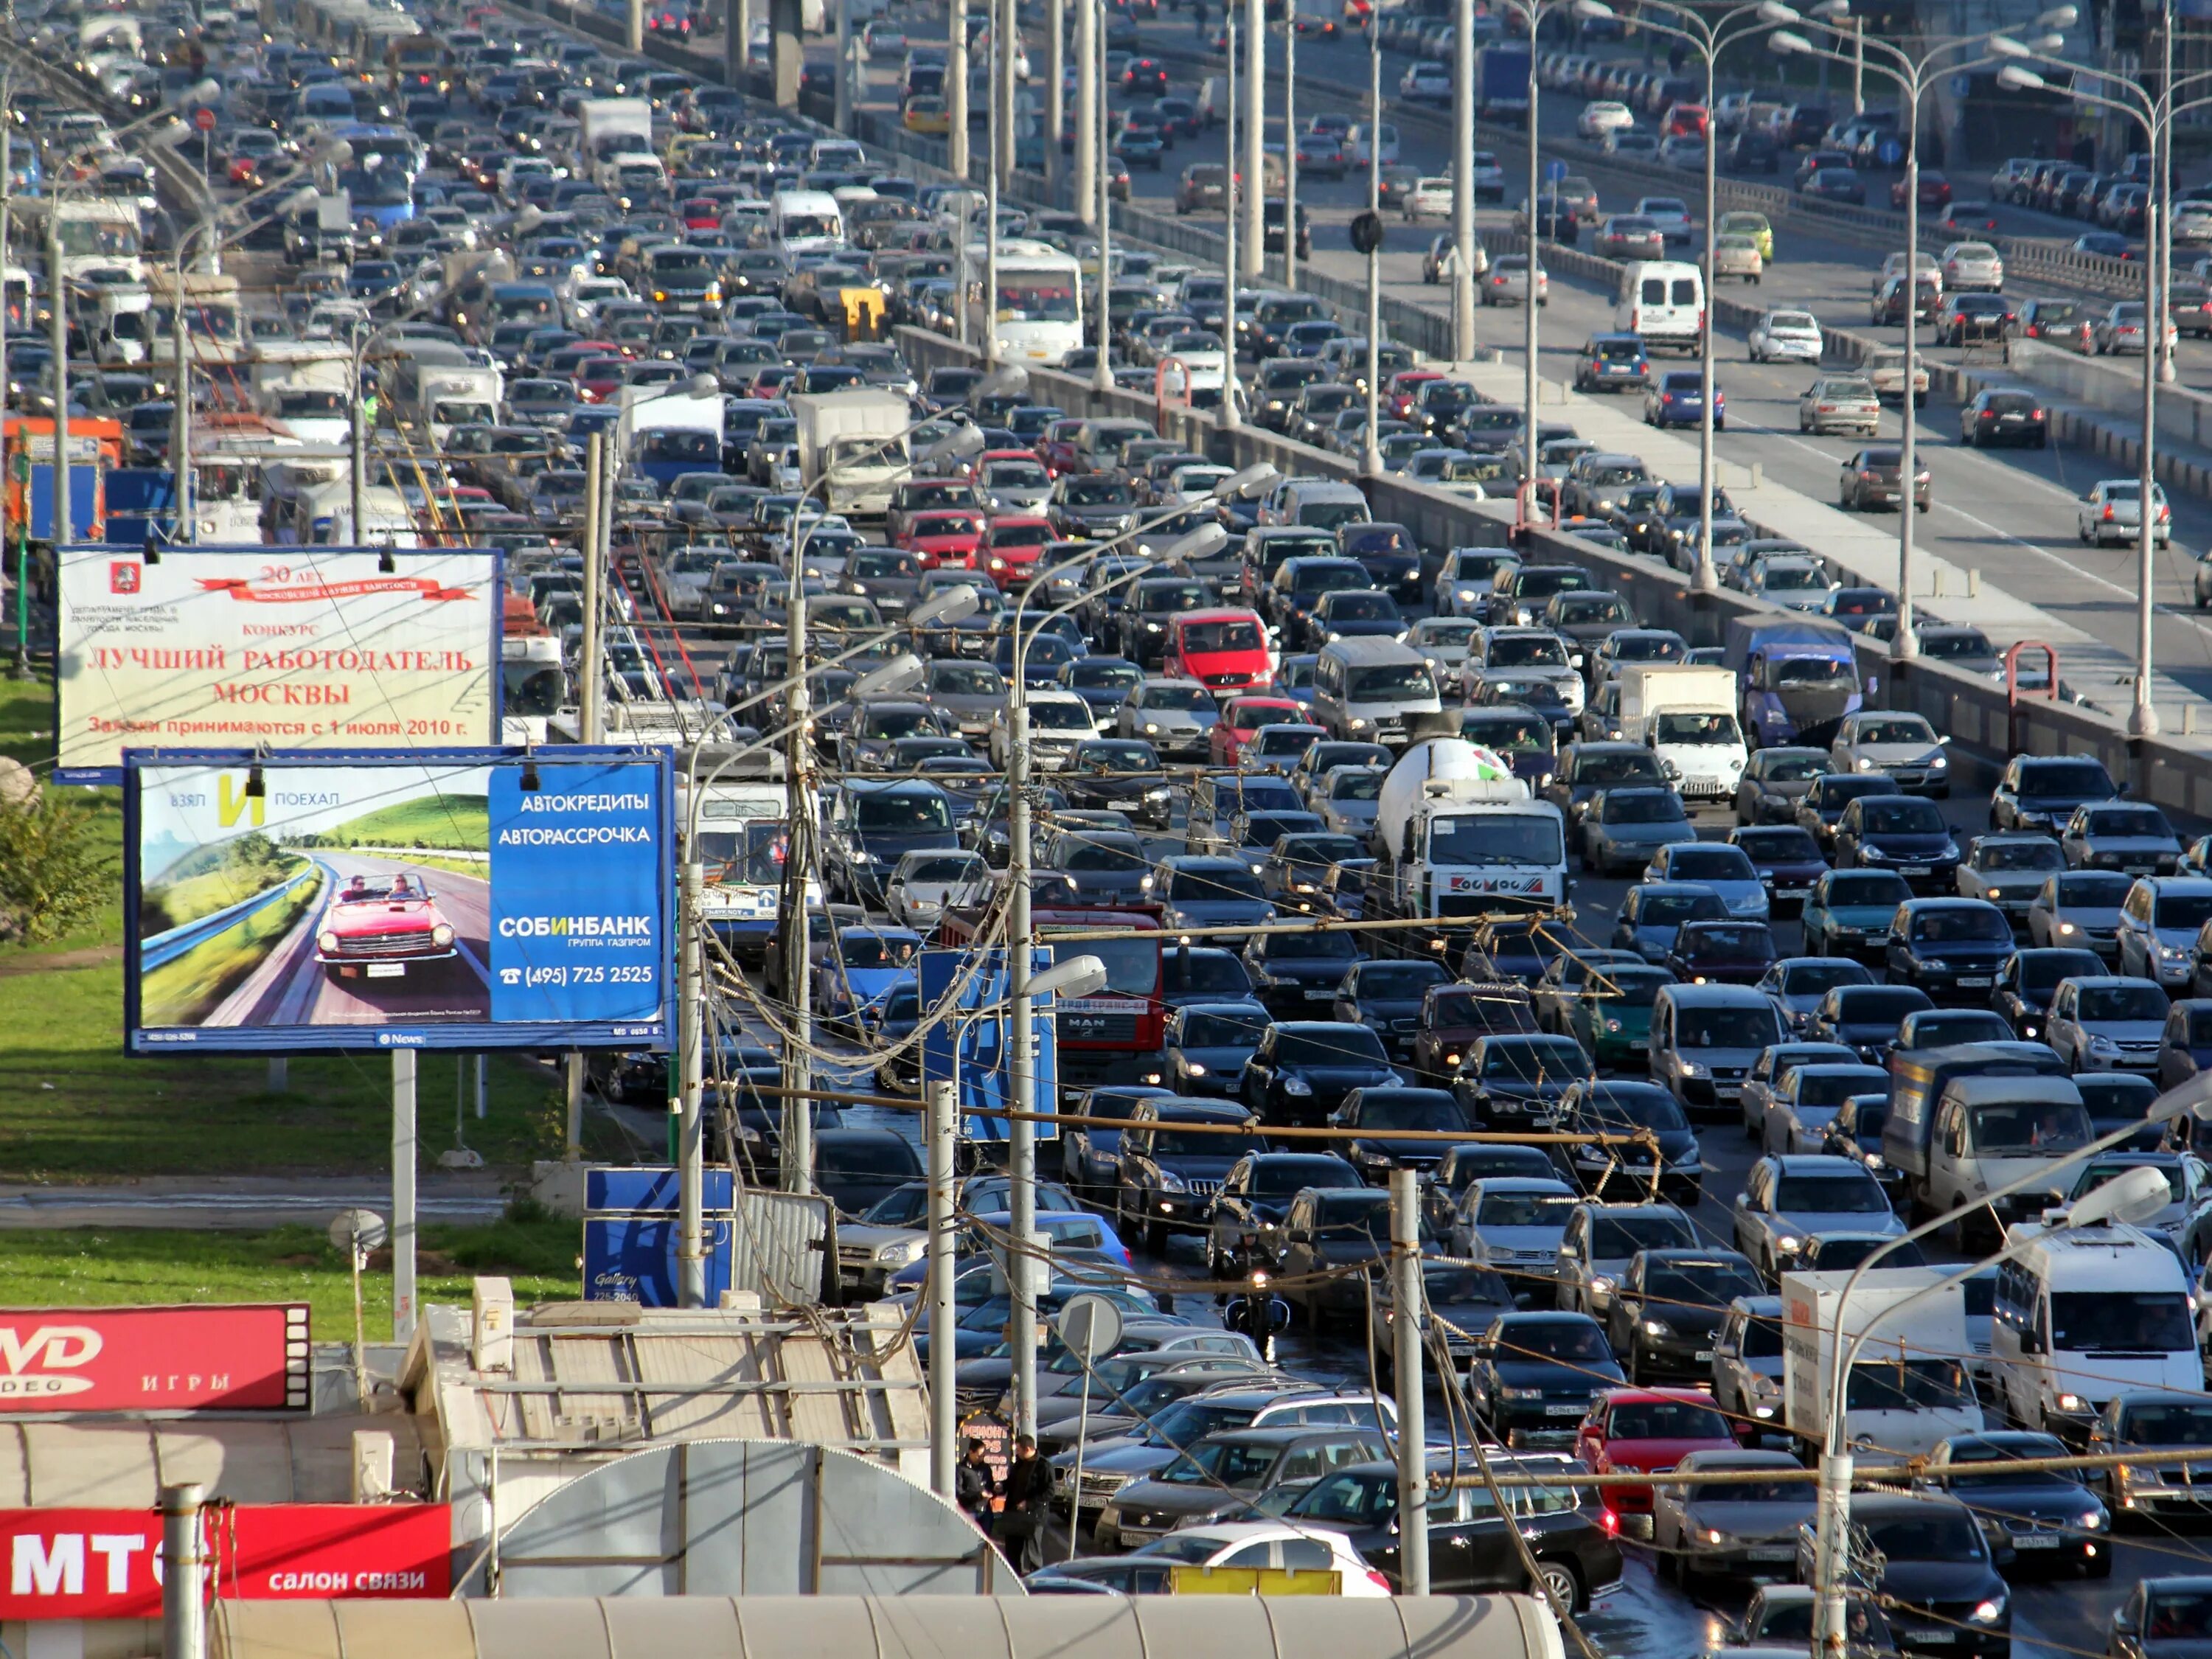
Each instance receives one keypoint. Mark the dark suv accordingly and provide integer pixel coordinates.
(1304, 1069)
(1170, 1171)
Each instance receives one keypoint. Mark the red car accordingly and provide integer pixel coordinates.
(382, 926)
(1648, 1432)
(944, 537)
(1057, 451)
(1403, 387)
(1224, 651)
(597, 378)
(1012, 548)
(701, 213)
(1934, 191)
(1241, 718)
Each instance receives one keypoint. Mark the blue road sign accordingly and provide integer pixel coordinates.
(981, 1062)
(1555, 171)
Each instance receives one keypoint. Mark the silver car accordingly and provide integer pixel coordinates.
(1175, 716)
(1841, 403)
(1445, 641)
(2113, 512)
(1969, 267)
(1352, 798)
(1903, 745)
(919, 884)
(1015, 485)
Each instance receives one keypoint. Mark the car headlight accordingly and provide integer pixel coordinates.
(1297, 1086)
(327, 943)
(441, 934)
(1689, 1067)
(1789, 1244)
(1656, 1328)
(1152, 728)
(1989, 1611)
(2092, 1520)
(1520, 1394)
(1865, 765)
(2103, 1045)
(1172, 1182)
(1613, 1027)
(900, 1251)
(1354, 725)
(2071, 1402)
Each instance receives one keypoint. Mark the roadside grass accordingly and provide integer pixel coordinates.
(26, 719)
(193, 986)
(110, 1266)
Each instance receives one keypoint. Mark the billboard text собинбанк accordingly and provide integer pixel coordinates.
(295, 648)
(454, 899)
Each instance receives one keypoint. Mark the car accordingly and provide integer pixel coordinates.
(2161, 919)
(1865, 1018)
(2111, 511)
(2107, 1023)
(1602, 115)
(2080, 909)
(2041, 792)
(1935, 1579)
(1507, 284)
(384, 926)
(1622, 826)
(1535, 1374)
(1973, 266)
(1304, 1069)
(1873, 478)
(1512, 1081)
(1786, 336)
(1611, 363)
(1791, 1200)
(1278, 1544)
(1245, 1217)
(1667, 1313)
(1902, 746)
(1677, 399)
(2133, 837)
(2001, 416)
(1629, 236)
(1811, 1097)
(1238, 1474)
(1638, 1431)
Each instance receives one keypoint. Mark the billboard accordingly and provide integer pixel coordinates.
(452, 899)
(294, 647)
(106, 1564)
(970, 1045)
(249, 1357)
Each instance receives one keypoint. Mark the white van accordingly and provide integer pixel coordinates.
(1320, 504)
(2083, 1315)
(1989, 1131)
(1374, 690)
(801, 220)
(1663, 300)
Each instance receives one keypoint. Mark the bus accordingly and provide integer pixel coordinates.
(1120, 1034)
(1039, 315)
(379, 180)
(743, 839)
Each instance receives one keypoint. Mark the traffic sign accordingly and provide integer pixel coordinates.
(1367, 233)
(204, 119)
(1555, 171)
(1091, 1326)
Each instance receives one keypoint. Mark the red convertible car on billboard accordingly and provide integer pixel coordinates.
(382, 927)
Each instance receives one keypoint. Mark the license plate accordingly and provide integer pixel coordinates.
(1563, 1411)
(1320, 996)
(1706, 1358)
(1912, 869)
(1975, 982)
(1728, 1091)
(2036, 1541)
(1639, 1047)
(1772, 1552)
(1930, 1637)
(387, 970)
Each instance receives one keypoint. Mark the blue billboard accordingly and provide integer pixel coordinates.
(964, 995)
(442, 899)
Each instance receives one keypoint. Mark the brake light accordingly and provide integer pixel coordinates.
(2035, 415)
(1610, 1522)
(2108, 509)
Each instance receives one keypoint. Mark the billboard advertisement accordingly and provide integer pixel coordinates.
(106, 1564)
(293, 648)
(247, 1357)
(459, 899)
(967, 1039)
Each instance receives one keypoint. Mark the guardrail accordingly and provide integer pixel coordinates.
(164, 948)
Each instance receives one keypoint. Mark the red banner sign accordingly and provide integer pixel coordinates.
(250, 1356)
(106, 1564)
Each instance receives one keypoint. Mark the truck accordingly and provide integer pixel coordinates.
(1501, 81)
(1909, 1388)
(1795, 679)
(665, 434)
(96, 233)
(1456, 835)
(613, 132)
(856, 439)
(1686, 714)
(436, 387)
(308, 386)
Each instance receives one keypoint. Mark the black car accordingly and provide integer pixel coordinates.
(1173, 1162)
(1295, 873)
(1192, 974)
(1864, 1019)
(1938, 1586)
(1120, 774)
(1622, 1169)
(856, 1167)
(1244, 1220)
(1994, 418)
(1391, 556)
(1721, 952)
(1090, 866)
(2163, 1617)
(1306, 1067)
(871, 824)
(1534, 1375)
(1787, 860)
(1386, 997)
(2031, 1519)
(1295, 975)
(1951, 948)
(2040, 792)
(1904, 833)
(1515, 1079)
(1586, 767)
(1393, 1127)
(1472, 1547)
(1821, 806)
(1666, 1312)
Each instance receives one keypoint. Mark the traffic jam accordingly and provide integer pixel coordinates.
(1728, 1019)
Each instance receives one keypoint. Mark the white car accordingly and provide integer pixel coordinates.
(1507, 282)
(1430, 197)
(1268, 1544)
(1426, 82)
(1970, 267)
(915, 894)
(1786, 336)
(1602, 117)
(1670, 213)
(2113, 512)
(1365, 138)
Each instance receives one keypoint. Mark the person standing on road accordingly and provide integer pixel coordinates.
(974, 1486)
(1021, 1522)
(1197, 10)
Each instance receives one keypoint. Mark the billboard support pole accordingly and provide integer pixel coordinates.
(184, 1607)
(58, 286)
(1412, 1436)
(690, 1171)
(591, 715)
(402, 1194)
(280, 1074)
(944, 1450)
(1022, 1261)
(796, 1173)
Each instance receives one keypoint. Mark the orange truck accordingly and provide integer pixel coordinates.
(26, 446)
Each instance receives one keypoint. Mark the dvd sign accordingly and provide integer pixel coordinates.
(245, 1357)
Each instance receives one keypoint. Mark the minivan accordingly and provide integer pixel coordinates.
(1989, 1132)
(1703, 1040)
(1663, 300)
(1374, 690)
(1321, 504)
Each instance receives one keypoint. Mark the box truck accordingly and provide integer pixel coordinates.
(1686, 715)
(856, 437)
(1908, 1387)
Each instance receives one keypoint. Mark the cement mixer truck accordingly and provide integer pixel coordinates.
(1456, 835)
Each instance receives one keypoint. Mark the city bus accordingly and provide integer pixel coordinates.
(1119, 1035)
(1039, 315)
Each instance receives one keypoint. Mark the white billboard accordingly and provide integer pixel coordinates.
(295, 648)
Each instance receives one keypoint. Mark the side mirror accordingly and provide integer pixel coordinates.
(2029, 1342)
(1743, 1199)
(1945, 739)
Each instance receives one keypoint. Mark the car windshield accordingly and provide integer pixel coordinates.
(1102, 855)
(1567, 1340)
(1898, 728)
(2029, 1127)
(1666, 1419)
(1874, 887)
(1910, 1385)
(1349, 1500)
(873, 950)
(1669, 909)
(2122, 1002)
(2161, 1423)
(2178, 1616)
(2083, 779)
(1203, 1031)
(1200, 1143)
(2129, 821)
(1621, 766)
(1512, 1209)
(1500, 840)
(1508, 734)
(1837, 1195)
(1535, 1061)
(2037, 855)
(1697, 1027)
(1338, 1045)
(1962, 923)
(1616, 1238)
(896, 812)
(1901, 815)
(1307, 947)
(2119, 1322)
(1527, 651)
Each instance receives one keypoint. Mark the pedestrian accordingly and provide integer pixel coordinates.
(1197, 11)
(1021, 1521)
(975, 1486)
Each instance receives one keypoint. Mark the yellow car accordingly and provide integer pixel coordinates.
(1753, 225)
(927, 114)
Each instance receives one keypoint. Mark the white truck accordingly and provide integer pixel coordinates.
(1686, 715)
(613, 132)
(308, 386)
(856, 438)
(1457, 834)
(665, 434)
(1909, 1388)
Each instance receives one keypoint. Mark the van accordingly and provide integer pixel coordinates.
(800, 219)
(1321, 504)
(1099, 444)
(1989, 1132)
(2083, 1315)
(1374, 690)
(1703, 1040)
(1664, 302)
(1226, 651)
(1917, 1077)
(1214, 97)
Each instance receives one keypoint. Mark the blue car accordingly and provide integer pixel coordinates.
(1208, 1043)
(1612, 362)
(860, 965)
(1677, 399)
(1653, 912)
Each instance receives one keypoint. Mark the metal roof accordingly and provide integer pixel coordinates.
(124, 1464)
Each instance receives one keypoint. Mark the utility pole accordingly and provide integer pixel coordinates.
(402, 1194)
(635, 33)
(1087, 99)
(1056, 99)
(999, 125)
(1462, 179)
(1370, 452)
(944, 1355)
(183, 1585)
(737, 46)
(1256, 122)
(1230, 420)
(690, 1137)
(1006, 52)
(358, 435)
(797, 1174)
(591, 702)
(841, 106)
(1290, 145)
(1407, 1304)
(180, 438)
(1020, 1134)
(2143, 719)
(1101, 372)
(956, 106)
(58, 286)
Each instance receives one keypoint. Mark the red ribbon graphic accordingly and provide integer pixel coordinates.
(242, 589)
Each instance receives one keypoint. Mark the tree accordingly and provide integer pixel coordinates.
(54, 875)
